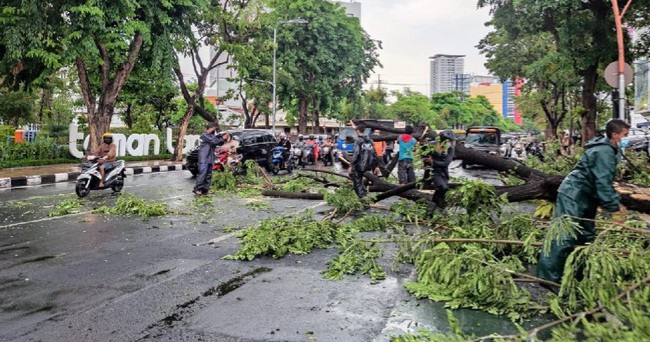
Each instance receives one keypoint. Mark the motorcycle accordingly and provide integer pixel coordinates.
(296, 157)
(519, 150)
(308, 155)
(277, 160)
(327, 155)
(90, 177)
(535, 149)
(220, 161)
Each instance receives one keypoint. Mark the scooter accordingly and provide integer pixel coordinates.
(296, 157)
(308, 155)
(327, 155)
(519, 149)
(90, 177)
(220, 161)
(277, 160)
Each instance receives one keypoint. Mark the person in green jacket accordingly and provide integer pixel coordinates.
(588, 186)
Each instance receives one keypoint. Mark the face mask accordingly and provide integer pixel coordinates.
(623, 143)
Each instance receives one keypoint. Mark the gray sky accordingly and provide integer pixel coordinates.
(413, 30)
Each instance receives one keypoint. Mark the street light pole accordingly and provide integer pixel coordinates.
(275, 48)
(618, 20)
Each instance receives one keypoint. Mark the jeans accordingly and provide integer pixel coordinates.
(405, 171)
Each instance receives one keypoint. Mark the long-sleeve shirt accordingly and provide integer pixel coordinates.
(209, 142)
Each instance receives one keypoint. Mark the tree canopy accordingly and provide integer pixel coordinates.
(326, 60)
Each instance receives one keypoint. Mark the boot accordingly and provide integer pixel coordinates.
(431, 208)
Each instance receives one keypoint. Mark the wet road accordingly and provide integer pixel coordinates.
(91, 277)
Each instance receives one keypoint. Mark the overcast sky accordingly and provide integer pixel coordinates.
(413, 30)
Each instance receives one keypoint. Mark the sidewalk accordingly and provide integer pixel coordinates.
(47, 174)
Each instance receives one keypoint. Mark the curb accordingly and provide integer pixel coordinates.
(14, 182)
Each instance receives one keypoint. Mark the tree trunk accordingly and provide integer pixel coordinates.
(302, 119)
(316, 127)
(100, 112)
(589, 102)
(128, 116)
(185, 121)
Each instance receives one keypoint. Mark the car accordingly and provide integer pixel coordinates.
(254, 144)
(485, 139)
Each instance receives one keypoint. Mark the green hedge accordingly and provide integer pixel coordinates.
(4, 164)
(43, 149)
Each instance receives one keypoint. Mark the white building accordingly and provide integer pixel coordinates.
(353, 8)
(447, 74)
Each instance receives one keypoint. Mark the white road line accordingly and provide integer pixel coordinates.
(74, 215)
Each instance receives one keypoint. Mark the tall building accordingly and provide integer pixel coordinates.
(353, 8)
(501, 96)
(447, 74)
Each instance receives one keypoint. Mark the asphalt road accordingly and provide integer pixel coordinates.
(92, 277)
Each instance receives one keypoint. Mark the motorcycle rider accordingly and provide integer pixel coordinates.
(107, 152)
(284, 142)
(209, 141)
(300, 143)
(441, 155)
(312, 142)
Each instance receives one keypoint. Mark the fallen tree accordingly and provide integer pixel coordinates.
(538, 186)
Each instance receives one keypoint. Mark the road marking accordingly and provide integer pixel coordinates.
(74, 215)
(233, 234)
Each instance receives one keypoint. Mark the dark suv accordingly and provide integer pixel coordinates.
(254, 144)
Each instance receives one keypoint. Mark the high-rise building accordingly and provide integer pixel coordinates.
(447, 74)
(353, 8)
(501, 96)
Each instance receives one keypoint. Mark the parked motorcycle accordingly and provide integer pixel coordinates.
(90, 177)
(220, 161)
(277, 160)
(327, 155)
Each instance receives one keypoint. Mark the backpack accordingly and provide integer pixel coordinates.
(368, 158)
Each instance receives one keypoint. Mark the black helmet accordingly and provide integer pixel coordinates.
(320, 137)
(311, 136)
(107, 138)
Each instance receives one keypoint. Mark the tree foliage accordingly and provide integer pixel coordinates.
(326, 60)
(561, 48)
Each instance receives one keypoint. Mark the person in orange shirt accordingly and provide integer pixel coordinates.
(380, 148)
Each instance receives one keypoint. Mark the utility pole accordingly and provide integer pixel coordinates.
(618, 19)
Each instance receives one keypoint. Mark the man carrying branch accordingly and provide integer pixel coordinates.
(588, 186)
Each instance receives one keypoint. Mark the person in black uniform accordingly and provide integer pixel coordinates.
(209, 141)
(441, 154)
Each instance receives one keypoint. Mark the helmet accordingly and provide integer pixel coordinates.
(300, 137)
(282, 136)
(320, 138)
(107, 138)
(311, 136)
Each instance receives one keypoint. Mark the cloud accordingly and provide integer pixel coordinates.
(413, 30)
